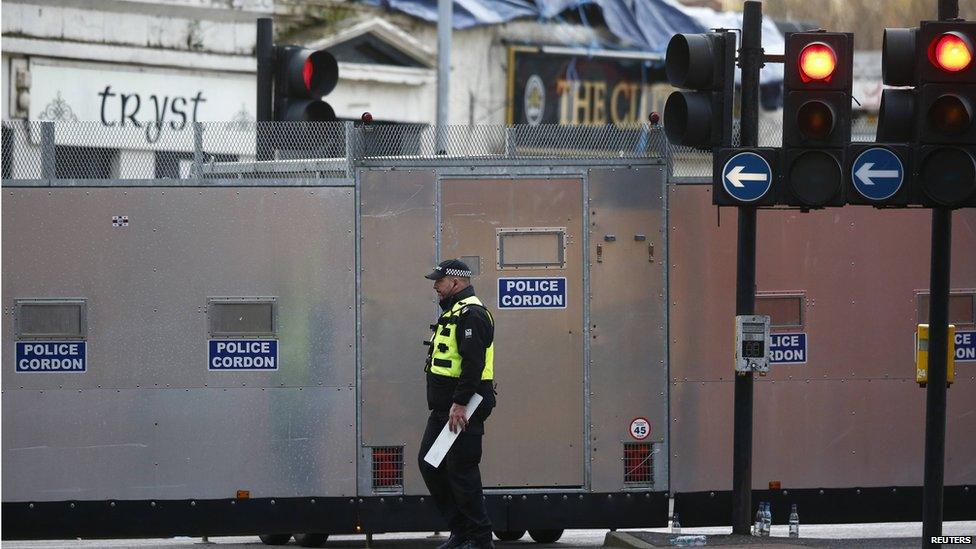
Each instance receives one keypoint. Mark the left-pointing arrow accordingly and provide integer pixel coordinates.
(736, 177)
(866, 174)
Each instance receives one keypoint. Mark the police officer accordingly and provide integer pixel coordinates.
(459, 364)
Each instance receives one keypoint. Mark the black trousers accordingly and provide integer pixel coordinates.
(456, 484)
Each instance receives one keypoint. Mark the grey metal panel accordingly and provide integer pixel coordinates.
(628, 349)
(824, 433)
(147, 284)
(177, 443)
(535, 435)
(398, 303)
(859, 269)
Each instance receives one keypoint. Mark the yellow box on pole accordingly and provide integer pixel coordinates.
(922, 355)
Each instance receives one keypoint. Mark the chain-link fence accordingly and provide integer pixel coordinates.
(92, 150)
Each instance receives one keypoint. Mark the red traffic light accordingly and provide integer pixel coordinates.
(951, 52)
(817, 62)
(307, 71)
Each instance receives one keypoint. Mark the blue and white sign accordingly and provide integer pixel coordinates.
(965, 346)
(243, 355)
(52, 356)
(788, 348)
(747, 177)
(531, 292)
(877, 173)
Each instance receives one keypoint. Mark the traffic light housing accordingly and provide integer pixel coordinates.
(946, 106)
(816, 117)
(700, 114)
(302, 78)
(896, 116)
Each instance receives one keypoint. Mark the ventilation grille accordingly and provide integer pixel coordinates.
(638, 463)
(388, 468)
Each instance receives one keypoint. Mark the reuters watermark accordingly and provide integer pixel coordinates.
(952, 540)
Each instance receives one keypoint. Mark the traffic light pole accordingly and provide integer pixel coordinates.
(264, 51)
(750, 60)
(935, 390)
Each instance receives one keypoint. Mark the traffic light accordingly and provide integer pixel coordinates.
(946, 79)
(302, 78)
(896, 116)
(816, 116)
(700, 115)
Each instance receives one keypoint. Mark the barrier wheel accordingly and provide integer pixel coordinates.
(546, 536)
(275, 539)
(510, 535)
(311, 540)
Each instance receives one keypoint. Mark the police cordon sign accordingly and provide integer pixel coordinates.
(243, 355)
(52, 356)
(965, 346)
(532, 292)
(788, 348)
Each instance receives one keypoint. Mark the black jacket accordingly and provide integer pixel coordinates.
(443, 391)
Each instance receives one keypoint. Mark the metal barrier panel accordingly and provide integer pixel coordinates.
(850, 414)
(527, 232)
(398, 249)
(628, 321)
(149, 418)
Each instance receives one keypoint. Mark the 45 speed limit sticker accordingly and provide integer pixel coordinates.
(640, 428)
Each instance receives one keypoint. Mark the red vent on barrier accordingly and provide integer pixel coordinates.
(638, 463)
(388, 468)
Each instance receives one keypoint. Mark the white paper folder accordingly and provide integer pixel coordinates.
(446, 439)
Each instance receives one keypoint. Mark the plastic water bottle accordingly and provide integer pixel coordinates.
(794, 523)
(675, 524)
(757, 528)
(767, 519)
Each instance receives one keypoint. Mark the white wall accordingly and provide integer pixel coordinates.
(172, 25)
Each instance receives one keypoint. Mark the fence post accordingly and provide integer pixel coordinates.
(49, 165)
(510, 142)
(352, 151)
(198, 150)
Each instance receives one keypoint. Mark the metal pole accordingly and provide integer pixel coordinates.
(935, 390)
(264, 52)
(745, 280)
(948, 9)
(445, 16)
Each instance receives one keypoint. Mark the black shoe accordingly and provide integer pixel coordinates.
(453, 542)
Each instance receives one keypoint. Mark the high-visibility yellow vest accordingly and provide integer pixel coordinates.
(444, 358)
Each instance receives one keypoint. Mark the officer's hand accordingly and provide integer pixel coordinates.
(456, 419)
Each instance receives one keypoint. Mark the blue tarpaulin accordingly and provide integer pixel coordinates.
(642, 25)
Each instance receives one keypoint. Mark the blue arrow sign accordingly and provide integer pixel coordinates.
(877, 173)
(747, 177)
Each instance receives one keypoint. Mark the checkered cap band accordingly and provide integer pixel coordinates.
(456, 272)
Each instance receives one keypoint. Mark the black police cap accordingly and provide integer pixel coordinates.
(450, 267)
